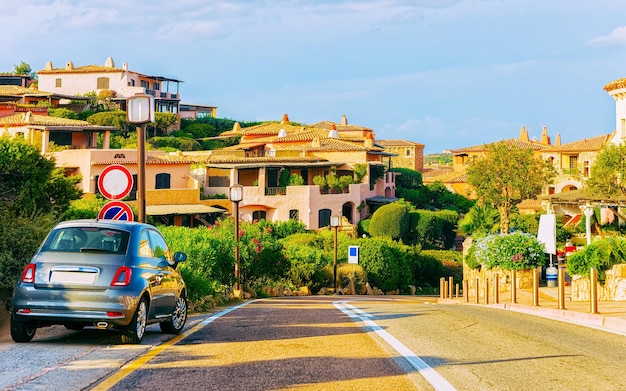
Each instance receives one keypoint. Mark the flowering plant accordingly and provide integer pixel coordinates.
(514, 251)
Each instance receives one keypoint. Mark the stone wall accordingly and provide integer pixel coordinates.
(523, 278)
(614, 288)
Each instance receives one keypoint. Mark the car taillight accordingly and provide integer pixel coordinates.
(28, 275)
(122, 276)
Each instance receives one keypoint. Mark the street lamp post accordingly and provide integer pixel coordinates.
(140, 111)
(236, 195)
(334, 222)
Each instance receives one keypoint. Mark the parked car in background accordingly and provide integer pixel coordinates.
(107, 274)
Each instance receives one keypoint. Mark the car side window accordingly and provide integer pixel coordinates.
(145, 250)
(159, 246)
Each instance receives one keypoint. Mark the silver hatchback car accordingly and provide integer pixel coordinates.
(104, 273)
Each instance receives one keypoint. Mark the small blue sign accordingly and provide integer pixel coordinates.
(353, 254)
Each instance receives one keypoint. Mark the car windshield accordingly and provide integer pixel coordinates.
(87, 239)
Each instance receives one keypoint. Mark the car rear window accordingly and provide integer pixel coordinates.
(87, 239)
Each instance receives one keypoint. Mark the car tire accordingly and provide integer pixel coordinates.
(176, 323)
(22, 331)
(134, 332)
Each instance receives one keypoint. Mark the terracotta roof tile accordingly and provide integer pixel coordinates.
(9, 90)
(615, 85)
(81, 69)
(588, 144)
(398, 143)
(512, 141)
(27, 118)
(451, 177)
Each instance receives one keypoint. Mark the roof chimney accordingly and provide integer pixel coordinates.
(558, 139)
(544, 136)
(344, 119)
(523, 134)
(285, 119)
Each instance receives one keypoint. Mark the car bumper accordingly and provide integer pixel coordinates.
(114, 306)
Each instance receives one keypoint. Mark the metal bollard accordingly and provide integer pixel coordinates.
(478, 291)
(561, 282)
(441, 288)
(536, 287)
(486, 291)
(513, 287)
(593, 297)
(466, 290)
(496, 291)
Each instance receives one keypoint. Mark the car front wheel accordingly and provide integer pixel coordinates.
(22, 331)
(179, 317)
(133, 333)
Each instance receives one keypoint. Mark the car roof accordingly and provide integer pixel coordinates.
(105, 223)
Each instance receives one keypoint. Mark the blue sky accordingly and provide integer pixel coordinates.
(445, 73)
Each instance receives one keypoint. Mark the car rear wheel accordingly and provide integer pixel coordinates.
(179, 317)
(22, 331)
(133, 333)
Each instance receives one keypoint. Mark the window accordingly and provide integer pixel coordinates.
(573, 162)
(158, 245)
(145, 84)
(103, 83)
(258, 215)
(294, 214)
(58, 82)
(408, 152)
(323, 218)
(156, 86)
(162, 181)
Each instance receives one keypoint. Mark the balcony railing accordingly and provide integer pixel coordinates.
(273, 191)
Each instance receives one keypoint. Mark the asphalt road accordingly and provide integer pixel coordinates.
(329, 343)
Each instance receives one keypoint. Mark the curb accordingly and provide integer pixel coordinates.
(585, 319)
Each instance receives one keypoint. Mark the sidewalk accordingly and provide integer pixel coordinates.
(611, 315)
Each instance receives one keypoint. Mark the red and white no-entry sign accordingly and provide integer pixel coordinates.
(115, 182)
(116, 210)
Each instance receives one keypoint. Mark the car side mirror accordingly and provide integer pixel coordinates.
(179, 257)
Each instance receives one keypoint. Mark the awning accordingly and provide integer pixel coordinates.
(163, 210)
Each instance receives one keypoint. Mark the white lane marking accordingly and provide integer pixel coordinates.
(432, 376)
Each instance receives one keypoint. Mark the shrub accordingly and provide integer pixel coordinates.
(433, 230)
(514, 251)
(384, 264)
(175, 143)
(451, 262)
(296, 180)
(20, 236)
(390, 220)
(601, 255)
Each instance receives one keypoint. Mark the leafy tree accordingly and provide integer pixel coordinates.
(408, 179)
(30, 183)
(480, 221)
(161, 122)
(24, 68)
(62, 113)
(609, 172)
(506, 175)
(435, 196)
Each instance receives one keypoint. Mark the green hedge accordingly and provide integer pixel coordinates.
(601, 255)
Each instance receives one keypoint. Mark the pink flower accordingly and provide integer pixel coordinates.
(241, 232)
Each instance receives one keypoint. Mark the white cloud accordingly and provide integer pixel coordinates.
(616, 37)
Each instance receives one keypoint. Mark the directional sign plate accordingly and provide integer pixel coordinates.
(115, 182)
(116, 210)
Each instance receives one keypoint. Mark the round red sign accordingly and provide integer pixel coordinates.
(115, 182)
